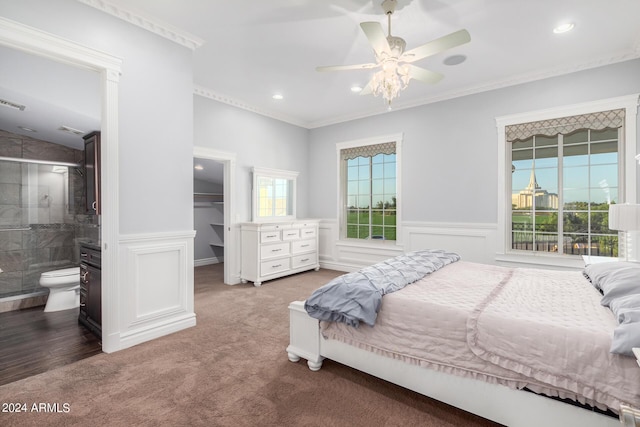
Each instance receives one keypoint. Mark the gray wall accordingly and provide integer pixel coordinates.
(257, 141)
(155, 109)
(449, 163)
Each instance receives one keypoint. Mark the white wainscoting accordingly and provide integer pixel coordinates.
(475, 242)
(155, 286)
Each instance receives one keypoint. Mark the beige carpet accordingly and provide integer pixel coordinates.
(229, 370)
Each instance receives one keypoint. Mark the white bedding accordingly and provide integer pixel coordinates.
(544, 330)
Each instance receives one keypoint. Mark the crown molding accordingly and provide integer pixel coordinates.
(211, 94)
(147, 22)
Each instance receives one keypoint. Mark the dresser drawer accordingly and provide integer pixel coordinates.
(290, 234)
(306, 233)
(269, 236)
(302, 260)
(274, 266)
(274, 250)
(303, 246)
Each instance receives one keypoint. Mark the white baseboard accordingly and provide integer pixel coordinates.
(157, 330)
(207, 261)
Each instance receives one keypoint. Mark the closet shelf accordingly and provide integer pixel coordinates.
(216, 198)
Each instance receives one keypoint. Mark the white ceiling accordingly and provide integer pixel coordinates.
(252, 49)
(50, 101)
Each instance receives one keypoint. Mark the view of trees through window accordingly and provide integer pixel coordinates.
(371, 197)
(562, 186)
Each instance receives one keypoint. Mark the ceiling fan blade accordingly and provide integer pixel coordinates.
(436, 46)
(375, 34)
(346, 67)
(423, 75)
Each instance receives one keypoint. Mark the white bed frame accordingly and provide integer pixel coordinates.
(513, 408)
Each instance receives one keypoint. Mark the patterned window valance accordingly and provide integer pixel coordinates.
(368, 150)
(565, 125)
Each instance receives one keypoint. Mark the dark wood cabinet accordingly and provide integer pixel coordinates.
(92, 172)
(91, 288)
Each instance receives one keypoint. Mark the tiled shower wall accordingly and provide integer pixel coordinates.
(52, 242)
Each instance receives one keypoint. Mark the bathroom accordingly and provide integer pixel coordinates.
(43, 218)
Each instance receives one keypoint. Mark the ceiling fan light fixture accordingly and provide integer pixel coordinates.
(390, 81)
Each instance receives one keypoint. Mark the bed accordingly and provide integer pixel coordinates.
(492, 340)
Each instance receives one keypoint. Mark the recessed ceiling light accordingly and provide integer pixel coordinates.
(69, 129)
(454, 60)
(356, 89)
(278, 96)
(26, 129)
(198, 167)
(563, 28)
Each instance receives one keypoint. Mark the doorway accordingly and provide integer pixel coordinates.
(214, 208)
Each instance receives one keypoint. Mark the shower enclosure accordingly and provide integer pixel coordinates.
(42, 222)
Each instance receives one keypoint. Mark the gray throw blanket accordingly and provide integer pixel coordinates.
(356, 297)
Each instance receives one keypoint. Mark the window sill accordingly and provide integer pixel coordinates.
(542, 260)
(390, 245)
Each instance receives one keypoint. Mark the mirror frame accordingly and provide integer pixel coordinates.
(258, 172)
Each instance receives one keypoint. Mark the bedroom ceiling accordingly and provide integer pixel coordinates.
(253, 49)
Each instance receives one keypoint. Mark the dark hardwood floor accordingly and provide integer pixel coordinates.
(33, 342)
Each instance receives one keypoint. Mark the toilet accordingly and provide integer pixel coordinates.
(64, 288)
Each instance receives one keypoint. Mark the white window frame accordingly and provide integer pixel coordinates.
(627, 170)
(342, 199)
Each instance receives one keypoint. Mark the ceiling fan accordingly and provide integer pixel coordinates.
(396, 68)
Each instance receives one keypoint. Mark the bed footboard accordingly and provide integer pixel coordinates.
(304, 336)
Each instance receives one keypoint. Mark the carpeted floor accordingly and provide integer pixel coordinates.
(229, 370)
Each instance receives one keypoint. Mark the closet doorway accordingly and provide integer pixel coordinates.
(212, 210)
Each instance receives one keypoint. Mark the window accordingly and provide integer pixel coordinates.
(560, 173)
(369, 190)
(562, 186)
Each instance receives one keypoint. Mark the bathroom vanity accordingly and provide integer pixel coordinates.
(90, 288)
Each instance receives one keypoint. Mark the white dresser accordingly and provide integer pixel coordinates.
(276, 249)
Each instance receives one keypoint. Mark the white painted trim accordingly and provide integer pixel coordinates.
(231, 229)
(207, 261)
(149, 23)
(225, 99)
(628, 186)
(146, 313)
(34, 41)
(475, 242)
